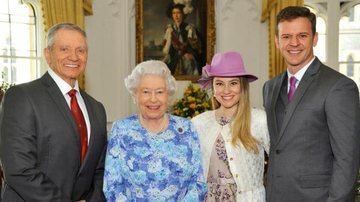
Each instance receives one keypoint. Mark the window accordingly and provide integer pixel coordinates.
(320, 48)
(339, 43)
(19, 55)
(350, 66)
(349, 42)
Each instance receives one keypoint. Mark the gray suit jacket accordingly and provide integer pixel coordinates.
(315, 139)
(40, 146)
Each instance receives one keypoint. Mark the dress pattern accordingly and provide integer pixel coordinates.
(141, 166)
(221, 184)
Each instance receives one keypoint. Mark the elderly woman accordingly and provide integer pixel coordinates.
(152, 155)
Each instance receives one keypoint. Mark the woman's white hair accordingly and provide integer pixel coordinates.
(150, 67)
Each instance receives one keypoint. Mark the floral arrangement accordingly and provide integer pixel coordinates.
(4, 85)
(358, 184)
(194, 102)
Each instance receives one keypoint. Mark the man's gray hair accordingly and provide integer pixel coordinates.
(150, 67)
(65, 25)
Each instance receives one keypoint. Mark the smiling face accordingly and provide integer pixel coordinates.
(67, 57)
(152, 97)
(295, 41)
(227, 91)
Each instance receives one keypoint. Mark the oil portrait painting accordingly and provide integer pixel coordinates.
(179, 32)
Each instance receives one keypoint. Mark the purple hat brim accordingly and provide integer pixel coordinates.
(205, 82)
(228, 64)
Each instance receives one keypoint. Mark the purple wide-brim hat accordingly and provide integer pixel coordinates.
(228, 64)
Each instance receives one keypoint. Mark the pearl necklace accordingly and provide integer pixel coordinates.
(146, 126)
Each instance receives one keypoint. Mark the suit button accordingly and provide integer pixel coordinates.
(277, 151)
(231, 158)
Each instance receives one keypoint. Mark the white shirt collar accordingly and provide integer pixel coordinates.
(298, 75)
(64, 87)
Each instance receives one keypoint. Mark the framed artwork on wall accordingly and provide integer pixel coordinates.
(179, 32)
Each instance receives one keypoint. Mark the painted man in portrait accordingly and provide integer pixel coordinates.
(182, 46)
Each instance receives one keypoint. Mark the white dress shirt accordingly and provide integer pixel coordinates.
(298, 75)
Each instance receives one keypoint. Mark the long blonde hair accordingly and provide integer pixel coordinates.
(241, 125)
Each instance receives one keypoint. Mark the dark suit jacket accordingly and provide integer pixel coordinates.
(40, 146)
(315, 139)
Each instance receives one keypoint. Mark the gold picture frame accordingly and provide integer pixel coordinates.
(155, 13)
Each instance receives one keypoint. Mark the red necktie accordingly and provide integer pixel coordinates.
(80, 122)
(292, 88)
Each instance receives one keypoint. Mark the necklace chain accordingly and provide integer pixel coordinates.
(222, 119)
(161, 128)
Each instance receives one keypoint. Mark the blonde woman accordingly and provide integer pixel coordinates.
(234, 136)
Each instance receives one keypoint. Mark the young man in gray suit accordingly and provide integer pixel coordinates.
(313, 118)
(52, 142)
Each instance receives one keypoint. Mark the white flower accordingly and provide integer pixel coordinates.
(120, 198)
(130, 162)
(139, 193)
(154, 166)
(136, 135)
(170, 191)
(116, 152)
(187, 3)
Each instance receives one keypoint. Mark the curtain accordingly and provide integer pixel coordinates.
(270, 9)
(73, 11)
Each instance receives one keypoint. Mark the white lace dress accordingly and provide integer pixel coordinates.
(247, 168)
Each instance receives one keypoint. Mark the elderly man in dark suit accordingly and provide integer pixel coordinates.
(313, 118)
(52, 134)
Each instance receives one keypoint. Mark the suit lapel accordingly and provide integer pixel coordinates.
(283, 92)
(274, 100)
(60, 102)
(300, 92)
(91, 114)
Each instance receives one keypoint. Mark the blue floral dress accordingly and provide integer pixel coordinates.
(142, 166)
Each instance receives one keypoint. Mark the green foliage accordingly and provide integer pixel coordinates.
(358, 184)
(4, 85)
(194, 102)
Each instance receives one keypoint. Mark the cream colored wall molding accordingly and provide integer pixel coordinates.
(115, 5)
(228, 5)
(255, 9)
(132, 9)
(226, 8)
